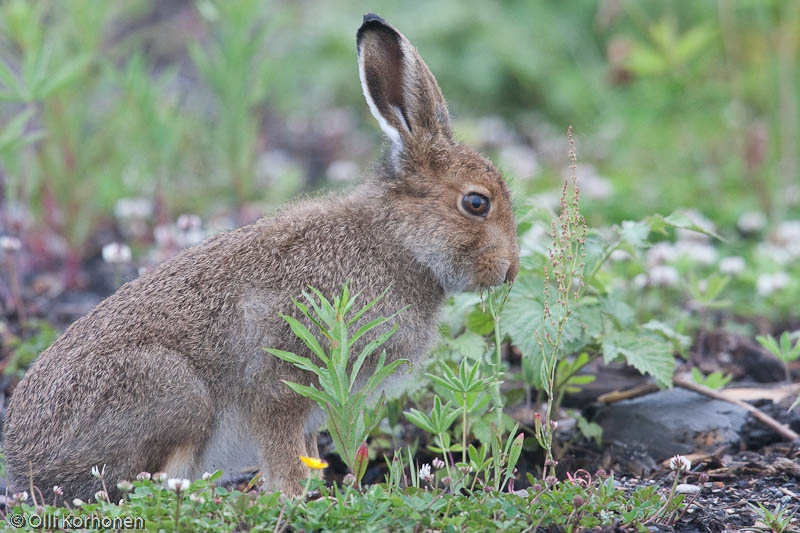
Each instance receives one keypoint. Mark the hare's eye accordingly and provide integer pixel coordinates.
(475, 204)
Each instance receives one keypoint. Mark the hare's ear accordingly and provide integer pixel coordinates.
(400, 90)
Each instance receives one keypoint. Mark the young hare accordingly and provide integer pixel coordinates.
(170, 373)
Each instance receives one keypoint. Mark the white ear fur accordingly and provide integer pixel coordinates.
(390, 131)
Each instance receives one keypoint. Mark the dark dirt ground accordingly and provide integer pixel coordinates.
(759, 467)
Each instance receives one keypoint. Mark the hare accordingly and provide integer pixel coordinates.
(170, 373)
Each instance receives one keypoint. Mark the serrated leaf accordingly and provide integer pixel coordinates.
(680, 343)
(682, 221)
(644, 351)
(617, 310)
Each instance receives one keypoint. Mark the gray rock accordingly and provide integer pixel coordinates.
(670, 422)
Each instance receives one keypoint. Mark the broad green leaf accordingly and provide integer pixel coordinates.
(645, 351)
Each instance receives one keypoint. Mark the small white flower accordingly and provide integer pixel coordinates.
(10, 244)
(187, 222)
(680, 463)
(766, 284)
(116, 253)
(425, 472)
(732, 265)
(141, 476)
(639, 281)
(125, 485)
(77, 502)
(751, 222)
(58, 491)
(197, 498)
(438, 463)
(137, 208)
(178, 484)
(20, 496)
(696, 251)
(98, 472)
(206, 475)
(664, 276)
(101, 496)
(660, 253)
(160, 477)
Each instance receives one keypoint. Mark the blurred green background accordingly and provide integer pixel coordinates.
(232, 107)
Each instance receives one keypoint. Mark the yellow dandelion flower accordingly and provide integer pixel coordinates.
(313, 462)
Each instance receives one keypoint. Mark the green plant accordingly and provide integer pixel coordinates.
(777, 521)
(783, 350)
(239, 72)
(25, 351)
(714, 380)
(349, 420)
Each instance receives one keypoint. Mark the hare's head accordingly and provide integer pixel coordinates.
(451, 206)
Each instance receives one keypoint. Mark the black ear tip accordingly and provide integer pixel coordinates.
(372, 17)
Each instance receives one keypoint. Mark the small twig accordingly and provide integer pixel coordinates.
(635, 392)
(782, 429)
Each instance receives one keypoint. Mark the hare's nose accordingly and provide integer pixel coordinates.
(512, 271)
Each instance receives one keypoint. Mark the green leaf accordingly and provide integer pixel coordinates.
(309, 392)
(67, 73)
(19, 92)
(646, 352)
(307, 337)
(682, 221)
(420, 419)
(368, 350)
(297, 360)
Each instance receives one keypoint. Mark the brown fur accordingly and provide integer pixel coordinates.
(169, 373)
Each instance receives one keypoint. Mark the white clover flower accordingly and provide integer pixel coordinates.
(189, 222)
(178, 484)
(663, 276)
(20, 496)
(699, 252)
(787, 236)
(425, 472)
(77, 502)
(438, 463)
(639, 281)
(519, 160)
(125, 485)
(197, 498)
(766, 284)
(160, 477)
(206, 475)
(732, 265)
(98, 472)
(58, 491)
(101, 496)
(751, 222)
(660, 253)
(10, 244)
(141, 476)
(133, 208)
(680, 463)
(116, 253)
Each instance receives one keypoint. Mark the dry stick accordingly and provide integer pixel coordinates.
(782, 429)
